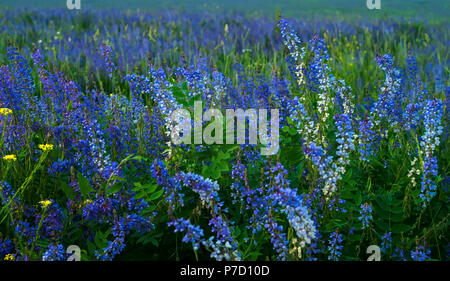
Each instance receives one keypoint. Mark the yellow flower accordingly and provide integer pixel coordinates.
(46, 147)
(9, 257)
(10, 157)
(45, 203)
(5, 111)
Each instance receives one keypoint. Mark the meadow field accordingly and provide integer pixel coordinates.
(88, 159)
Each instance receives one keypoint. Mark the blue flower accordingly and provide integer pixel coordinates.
(366, 215)
(334, 246)
(386, 240)
(420, 253)
(193, 234)
(54, 253)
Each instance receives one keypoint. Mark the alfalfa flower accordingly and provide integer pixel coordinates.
(45, 203)
(5, 111)
(46, 147)
(10, 157)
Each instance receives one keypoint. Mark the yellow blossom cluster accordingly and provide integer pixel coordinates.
(5, 111)
(45, 203)
(10, 157)
(46, 147)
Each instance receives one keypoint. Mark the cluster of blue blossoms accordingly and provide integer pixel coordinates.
(366, 215)
(91, 133)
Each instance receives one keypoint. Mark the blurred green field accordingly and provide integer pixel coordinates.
(436, 10)
(350, 41)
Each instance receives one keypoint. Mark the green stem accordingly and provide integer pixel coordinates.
(27, 181)
(37, 236)
(434, 232)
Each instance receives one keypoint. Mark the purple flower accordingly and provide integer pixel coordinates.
(107, 54)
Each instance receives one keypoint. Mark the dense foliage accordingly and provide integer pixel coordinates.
(87, 158)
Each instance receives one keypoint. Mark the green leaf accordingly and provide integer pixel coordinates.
(223, 166)
(117, 178)
(148, 211)
(67, 190)
(91, 247)
(100, 240)
(381, 212)
(183, 102)
(197, 97)
(143, 240)
(114, 188)
(85, 186)
(139, 158)
(97, 238)
(140, 195)
(194, 99)
(215, 174)
(292, 131)
(177, 92)
(154, 242)
(156, 195)
(69, 106)
(233, 148)
(347, 176)
(382, 202)
(207, 171)
(223, 156)
(400, 228)
(184, 86)
(397, 218)
(381, 225)
(237, 231)
(136, 188)
(254, 256)
(150, 188)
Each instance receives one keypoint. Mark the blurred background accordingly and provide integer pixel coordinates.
(173, 32)
(432, 10)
